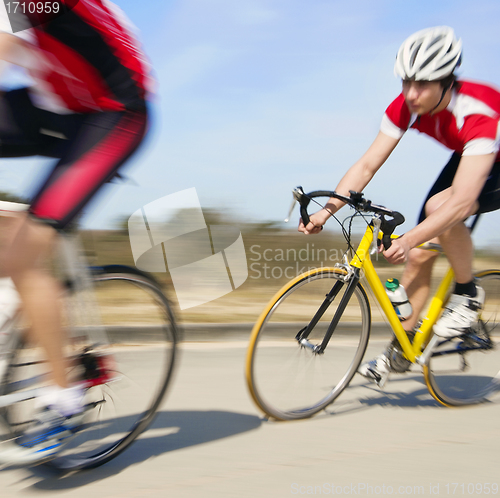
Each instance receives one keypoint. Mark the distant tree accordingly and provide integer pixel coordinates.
(212, 216)
(121, 224)
(10, 197)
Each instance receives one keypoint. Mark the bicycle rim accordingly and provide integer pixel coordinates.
(140, 334)
(474, 376)
(288, 381)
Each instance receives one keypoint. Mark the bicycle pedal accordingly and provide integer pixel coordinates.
(379, 380)
(376, 377)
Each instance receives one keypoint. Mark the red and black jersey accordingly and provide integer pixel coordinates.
(87, 60)
(470, 124)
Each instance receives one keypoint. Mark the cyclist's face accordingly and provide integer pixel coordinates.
(421, 97)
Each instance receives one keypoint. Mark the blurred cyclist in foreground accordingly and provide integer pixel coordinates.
(87, 109)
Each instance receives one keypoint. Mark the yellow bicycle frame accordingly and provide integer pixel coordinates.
(362, 261)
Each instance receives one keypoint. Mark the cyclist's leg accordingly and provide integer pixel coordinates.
(100, 146)
(24, 260)
(20, 123)
(489, 200)
(26, 243)
(91, 157)
(418, 272)
(416, 280)
(467, 298)
(456, 242)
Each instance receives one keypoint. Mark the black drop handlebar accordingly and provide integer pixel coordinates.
(358, 202)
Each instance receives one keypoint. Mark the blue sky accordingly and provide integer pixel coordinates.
(258, 96)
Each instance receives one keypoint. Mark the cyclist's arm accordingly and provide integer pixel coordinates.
(469, 180)
(14, 50)
(356, 178)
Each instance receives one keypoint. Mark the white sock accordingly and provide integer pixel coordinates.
(67, 401)
(9, 298)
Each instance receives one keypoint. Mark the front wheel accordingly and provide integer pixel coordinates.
(288, 380)
(466, 370)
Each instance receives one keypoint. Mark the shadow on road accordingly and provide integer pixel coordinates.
(192, 428)
(396, 394)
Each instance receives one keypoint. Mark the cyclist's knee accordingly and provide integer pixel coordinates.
(421, 257)
(29, 248)
(436, 201)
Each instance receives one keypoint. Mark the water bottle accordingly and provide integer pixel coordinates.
(399, 299)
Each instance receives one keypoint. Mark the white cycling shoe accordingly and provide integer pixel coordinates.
(9, 303)
(376, 370)
(392, 360)
(460, 314)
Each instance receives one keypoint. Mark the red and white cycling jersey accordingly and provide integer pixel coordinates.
(469, 125)
(87, 60)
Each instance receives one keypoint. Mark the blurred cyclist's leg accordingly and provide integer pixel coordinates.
(416, 280)
(27, 244)
(25, 261)
(93, 149)
(98, 146)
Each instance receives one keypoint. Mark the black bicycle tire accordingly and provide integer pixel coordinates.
(119, 272)
(289, 288)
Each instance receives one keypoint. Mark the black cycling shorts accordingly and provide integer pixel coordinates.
(89, 147)
(489, 198)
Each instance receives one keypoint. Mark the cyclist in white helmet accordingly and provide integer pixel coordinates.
(464, 117)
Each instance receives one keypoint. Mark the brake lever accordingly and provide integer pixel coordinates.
(388, 227)
(376, 229)
(294, 201)
(297, 193)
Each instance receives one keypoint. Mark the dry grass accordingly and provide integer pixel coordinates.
(247, 302)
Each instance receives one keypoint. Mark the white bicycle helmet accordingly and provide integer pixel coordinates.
(429, 55)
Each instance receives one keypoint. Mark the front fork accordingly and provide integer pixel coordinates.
(302, 336)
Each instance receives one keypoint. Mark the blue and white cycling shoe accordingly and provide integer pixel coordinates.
(50, 432)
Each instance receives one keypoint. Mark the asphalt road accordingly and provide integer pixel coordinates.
(209, 440)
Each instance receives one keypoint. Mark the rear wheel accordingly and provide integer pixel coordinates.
(466, 370)
(125, 357)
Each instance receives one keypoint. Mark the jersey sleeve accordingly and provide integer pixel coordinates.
(22, 56)
(396, 118)
(21, 20)
(481, 135)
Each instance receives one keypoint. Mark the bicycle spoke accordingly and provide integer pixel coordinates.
(289, 379)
